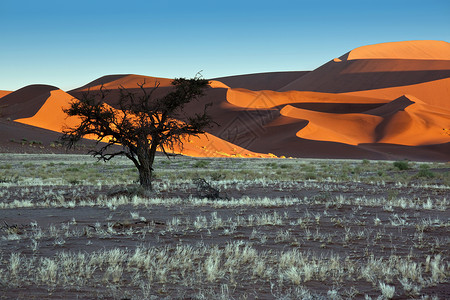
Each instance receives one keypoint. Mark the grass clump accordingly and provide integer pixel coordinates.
(201, 164)
(401, 165)
(425, 172)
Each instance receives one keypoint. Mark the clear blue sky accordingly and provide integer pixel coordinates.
(69, 43)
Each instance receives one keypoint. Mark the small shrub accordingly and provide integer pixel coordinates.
(426, 173)
(6, 166)
(310, 175)
(218, 176)
(74, 181)
(201, 164)
(286, 166)
(205, 190)
(401, 165)
(272, 165)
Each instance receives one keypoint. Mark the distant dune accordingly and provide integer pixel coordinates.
(383, 101)
(129, 81)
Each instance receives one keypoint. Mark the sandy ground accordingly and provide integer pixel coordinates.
(271, 234)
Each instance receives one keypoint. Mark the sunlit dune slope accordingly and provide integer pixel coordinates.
(209, 145)
(4, 93)
(422, 49)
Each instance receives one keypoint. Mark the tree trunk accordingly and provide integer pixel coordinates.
(146, 158)
(145, 178)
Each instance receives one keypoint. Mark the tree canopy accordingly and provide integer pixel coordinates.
(141, 124)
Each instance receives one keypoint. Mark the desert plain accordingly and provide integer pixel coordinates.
(324, 184)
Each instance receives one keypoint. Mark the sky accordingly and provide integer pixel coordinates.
(70, 43)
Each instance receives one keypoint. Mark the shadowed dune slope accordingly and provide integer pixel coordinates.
(261, 81)
(12, 133)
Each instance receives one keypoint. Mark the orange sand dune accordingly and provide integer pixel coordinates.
(215, 84)
(350, 129)
(209, 145)
(435, 93)
(269, 99)
(435, 50)
(365, 73)
(418, 124)
(51, 116)
(358, 75)
(130, 81)
(4, 93)
(26, 101)
(405, 121)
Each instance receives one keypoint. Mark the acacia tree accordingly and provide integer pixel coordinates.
(142, 123)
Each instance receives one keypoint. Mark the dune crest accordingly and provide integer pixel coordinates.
(215, 84)
(129, 81)
(421, 49)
